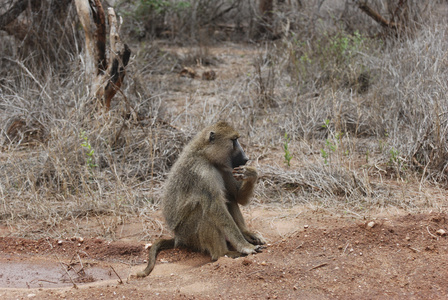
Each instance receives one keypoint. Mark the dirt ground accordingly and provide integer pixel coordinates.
(310, 255)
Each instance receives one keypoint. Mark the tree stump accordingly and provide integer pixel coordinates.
(105, 75)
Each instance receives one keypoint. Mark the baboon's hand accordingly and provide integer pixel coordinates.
(254, 238)
(245, 173)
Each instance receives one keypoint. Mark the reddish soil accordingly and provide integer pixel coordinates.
(311, 255)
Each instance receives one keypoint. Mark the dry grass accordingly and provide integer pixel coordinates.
(366, 117)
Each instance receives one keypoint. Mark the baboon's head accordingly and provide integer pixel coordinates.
(222, 146)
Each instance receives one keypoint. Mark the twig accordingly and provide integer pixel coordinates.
(222, 13)
(82, 267)
(119, 281)
(423, 175)
(31, 75)
(71, 279)
(43, 280)
(254, 272)
(415, 250)
(49, 243)
(13, 13)
(434, 236)
(318, 266)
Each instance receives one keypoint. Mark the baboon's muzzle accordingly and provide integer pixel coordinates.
(239, 158)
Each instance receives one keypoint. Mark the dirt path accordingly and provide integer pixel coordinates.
(311, 255)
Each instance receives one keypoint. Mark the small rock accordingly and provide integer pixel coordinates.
(31, 295)
(60, 242)
(81, 240)
(209, 75)
(408, 238)
(263, 263)
(430, 248)
(306, 226)
(371, 224)
(441, 232)
(147, 246)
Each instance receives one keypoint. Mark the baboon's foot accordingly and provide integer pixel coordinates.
(259, 248)
(251, 249)
(254, 238)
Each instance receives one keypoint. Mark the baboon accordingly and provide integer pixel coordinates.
(202, 196)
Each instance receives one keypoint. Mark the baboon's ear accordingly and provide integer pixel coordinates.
(211, 138)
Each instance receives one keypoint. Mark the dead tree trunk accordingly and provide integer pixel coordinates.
(266, 8)
(376, 16)
(105, 75)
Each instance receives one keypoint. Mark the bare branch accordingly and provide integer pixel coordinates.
(376, 16)
(14, 12)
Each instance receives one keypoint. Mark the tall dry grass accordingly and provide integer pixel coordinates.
(361, 110)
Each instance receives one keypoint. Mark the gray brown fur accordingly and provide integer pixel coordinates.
(202, 194)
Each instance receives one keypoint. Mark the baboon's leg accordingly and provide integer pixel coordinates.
(251, 237)
(158, 246)
(212, 240)
(220, 217)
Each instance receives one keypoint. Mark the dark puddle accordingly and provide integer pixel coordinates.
(50, 274)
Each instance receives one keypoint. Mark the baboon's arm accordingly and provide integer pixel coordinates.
(248, 177)
(237, 216)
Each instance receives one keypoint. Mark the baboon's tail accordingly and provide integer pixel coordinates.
(158, 246)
